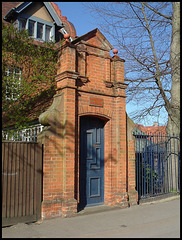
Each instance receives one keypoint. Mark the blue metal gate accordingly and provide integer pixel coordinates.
(157, 164)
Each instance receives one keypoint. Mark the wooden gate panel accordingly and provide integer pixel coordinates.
(21, 182)
(12, 178)
(4, 182)
(32, 157)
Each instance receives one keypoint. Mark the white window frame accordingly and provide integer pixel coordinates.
(34, 27)
(42, 32)
(14, 87)
(41, 21)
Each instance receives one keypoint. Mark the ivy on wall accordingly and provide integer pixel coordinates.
(37, 62)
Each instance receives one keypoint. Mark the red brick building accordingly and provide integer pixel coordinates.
(89, 155)
(155, 129)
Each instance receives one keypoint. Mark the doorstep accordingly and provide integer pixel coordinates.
(97, 209)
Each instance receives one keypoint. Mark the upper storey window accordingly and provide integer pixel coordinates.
(31, 28)
(48, 33)
(38, 29)
(22, 23)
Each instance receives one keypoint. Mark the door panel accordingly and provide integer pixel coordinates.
(91, 161)
(94, 187)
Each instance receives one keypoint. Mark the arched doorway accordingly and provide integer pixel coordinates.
(91, 162)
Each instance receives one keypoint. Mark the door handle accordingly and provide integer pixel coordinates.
(95, 146)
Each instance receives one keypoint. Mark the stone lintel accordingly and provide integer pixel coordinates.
(67, 74)
(120, 85)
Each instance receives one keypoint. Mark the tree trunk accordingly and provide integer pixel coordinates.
(173, 125)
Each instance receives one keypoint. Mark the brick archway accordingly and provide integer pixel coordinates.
(89, 82)
(107, 150)
(98, 112)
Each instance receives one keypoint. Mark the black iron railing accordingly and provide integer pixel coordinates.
(157, 164)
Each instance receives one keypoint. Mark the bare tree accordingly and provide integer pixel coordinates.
(147, 35)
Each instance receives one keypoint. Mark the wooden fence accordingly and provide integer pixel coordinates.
(21, 182)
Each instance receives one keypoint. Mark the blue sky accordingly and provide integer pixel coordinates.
(78, 14)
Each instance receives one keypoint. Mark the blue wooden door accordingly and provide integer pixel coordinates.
(91, 181)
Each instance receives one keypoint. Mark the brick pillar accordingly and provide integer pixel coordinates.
(120, 195)
(67, 58)
(126, 155)
(81, 59)
(66, 85)
(51, 138)
(58, 138)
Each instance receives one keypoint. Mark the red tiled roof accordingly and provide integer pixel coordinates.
(151, 129)
(7, 6)
(68, 25)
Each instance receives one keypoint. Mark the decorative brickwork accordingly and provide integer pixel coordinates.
(89, 82)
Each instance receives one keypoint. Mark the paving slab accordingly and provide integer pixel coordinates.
(155, 220)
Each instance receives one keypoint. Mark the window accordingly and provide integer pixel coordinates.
(37, 28)
(13, 83)
(48, 34)
(40, 30)
(31, 28)
(22, 23)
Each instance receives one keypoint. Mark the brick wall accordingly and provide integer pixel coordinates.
(89, 82)
(131, 178)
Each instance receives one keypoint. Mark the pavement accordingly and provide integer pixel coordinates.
(159, 219)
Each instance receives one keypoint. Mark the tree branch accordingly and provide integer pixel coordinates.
(159, 13)
(157, 76)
